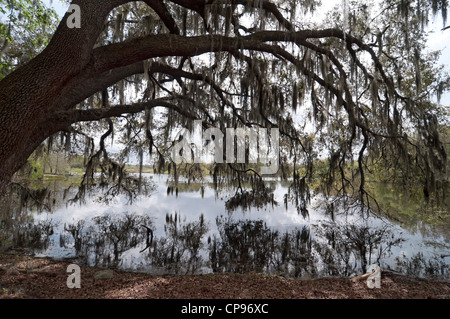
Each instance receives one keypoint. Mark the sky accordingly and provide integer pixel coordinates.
(440, 40)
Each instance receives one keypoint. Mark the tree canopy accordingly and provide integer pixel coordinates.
(352, 95)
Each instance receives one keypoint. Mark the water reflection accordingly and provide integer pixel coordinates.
(350, 245)
(189, 229)
(32, 236)
(250, 246)
(179, 250)
(103, 242)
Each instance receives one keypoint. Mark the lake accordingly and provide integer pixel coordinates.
(191, 231)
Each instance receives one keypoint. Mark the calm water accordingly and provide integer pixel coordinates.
(192, 232)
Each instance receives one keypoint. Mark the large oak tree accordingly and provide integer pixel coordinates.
(364, 83)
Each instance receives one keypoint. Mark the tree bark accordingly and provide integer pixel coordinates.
(27, 95)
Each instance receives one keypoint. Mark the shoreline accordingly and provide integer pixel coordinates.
(26, 277)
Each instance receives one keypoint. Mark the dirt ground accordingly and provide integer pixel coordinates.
(23, 277)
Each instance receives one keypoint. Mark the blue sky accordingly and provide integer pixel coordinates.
(59, 6)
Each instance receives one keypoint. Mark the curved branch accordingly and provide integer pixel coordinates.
(111, 63)
(74, 116)
(73, 95)
(161, 10)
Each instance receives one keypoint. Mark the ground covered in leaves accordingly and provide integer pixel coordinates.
(41, 278)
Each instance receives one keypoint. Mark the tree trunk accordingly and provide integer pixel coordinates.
(31, 93)
(25, 99)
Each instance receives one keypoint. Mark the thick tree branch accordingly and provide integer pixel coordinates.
(120, 54)
(161, 10)
(75, 116)
(73, 95)
(114, 62)
(269, 7)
